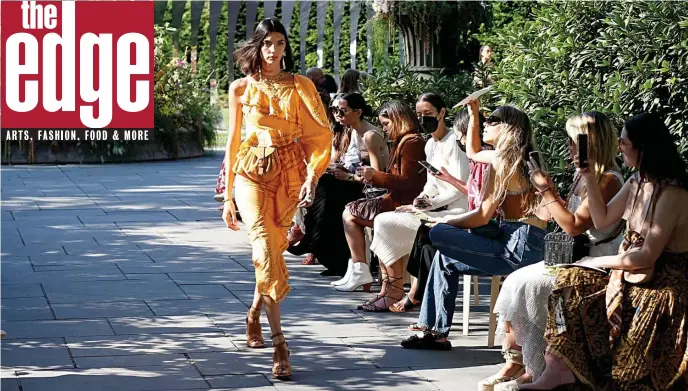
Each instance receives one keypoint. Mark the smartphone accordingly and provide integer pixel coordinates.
(429, 167)
(535, 155)
(583, 150)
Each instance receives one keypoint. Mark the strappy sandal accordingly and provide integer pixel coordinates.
(406, 305)
(281, 369)
(417, 327)
(427, 342)
(511, 356)
(374, 306)
(309, 260)
(254, 334)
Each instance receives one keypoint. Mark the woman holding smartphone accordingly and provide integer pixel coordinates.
(624, 327)
(522, 301)
(394, 232)
(521, 233)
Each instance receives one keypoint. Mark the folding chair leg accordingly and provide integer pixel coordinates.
(494, 292)
(476, 290)
(466, 302)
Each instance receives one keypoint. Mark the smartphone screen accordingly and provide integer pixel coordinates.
(583, 150)
(428, 166)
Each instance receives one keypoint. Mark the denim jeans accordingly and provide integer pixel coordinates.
(461, 252)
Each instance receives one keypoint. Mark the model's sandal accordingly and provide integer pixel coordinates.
(511, 356)
(281, 369)
(404, 305)
(427, 341)
(254, 334)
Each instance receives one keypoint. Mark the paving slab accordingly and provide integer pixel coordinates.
(28, 308)
(164, 325)
(56, 328)
(39, 353)
(95, 309)
(172, 377)
(126, 290)
(127, 345)
(129, 361)
(196, 306)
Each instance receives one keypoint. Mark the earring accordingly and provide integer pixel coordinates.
(283, 65)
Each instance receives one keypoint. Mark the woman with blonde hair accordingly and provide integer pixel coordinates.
(522, 302)
(517, 241)
(276, 168)
(618, 322)
(404, 180)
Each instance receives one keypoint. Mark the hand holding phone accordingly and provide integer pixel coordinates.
(582, 151)
(429, 167)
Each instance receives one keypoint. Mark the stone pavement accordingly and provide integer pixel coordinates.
(123, 277)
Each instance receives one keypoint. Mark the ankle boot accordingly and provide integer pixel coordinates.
(346, 277)
(360, 277)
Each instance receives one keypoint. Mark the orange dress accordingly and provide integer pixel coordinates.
(289, 116)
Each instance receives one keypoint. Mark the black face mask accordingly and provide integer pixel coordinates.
(428, 124)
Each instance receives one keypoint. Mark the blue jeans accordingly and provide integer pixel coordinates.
(461, 252)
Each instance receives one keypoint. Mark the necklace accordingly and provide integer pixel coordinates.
(270, 83)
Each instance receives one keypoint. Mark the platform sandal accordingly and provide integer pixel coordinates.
(254, 334)
(281, 369)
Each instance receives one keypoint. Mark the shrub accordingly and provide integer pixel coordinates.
(619, 58)
(182, 99)
(394, 81)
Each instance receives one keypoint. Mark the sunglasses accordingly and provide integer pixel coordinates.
(492, 120)
(339, 111)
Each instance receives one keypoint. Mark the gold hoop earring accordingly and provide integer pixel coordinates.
(283, 65)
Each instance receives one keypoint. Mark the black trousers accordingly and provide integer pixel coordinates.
(420, 260)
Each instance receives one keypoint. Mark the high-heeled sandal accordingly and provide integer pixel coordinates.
(374, 305)
(254, 334)
(281, 369)
(511, 356)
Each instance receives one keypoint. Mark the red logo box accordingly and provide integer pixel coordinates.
(77, 64)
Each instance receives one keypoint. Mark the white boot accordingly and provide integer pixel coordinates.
(360, 276)
(349, 270)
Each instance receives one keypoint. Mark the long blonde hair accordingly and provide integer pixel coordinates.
(515, 144)
(602, 141)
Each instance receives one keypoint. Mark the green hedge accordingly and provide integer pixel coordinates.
(620, 58)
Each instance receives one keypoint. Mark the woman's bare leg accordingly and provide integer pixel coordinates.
(355, 235)
(556, 374)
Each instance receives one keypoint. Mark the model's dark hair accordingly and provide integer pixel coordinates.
(658, 158)
(350, 81)
(247, 56)
(330, 84)
(435, 100)
(356, 101)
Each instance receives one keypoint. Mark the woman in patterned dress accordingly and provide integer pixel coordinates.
(621, 321)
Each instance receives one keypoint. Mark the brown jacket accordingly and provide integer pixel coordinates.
(405, 177)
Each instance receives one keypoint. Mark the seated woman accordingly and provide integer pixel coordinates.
(394, 232)
(522, 301)
(404, 179)
(423, 252)
(640, 304)
(355, 142)
(518, 242)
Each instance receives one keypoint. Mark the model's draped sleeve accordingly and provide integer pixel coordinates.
(317, 137)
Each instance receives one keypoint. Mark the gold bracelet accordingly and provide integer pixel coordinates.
(551, 202)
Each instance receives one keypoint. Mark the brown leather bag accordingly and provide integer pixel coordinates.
(260, 164)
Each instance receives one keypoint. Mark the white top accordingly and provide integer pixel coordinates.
(358, 147)
(446, 153)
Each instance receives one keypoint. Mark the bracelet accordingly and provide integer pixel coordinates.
(540, 193)
(551, 202)
(227, 200)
